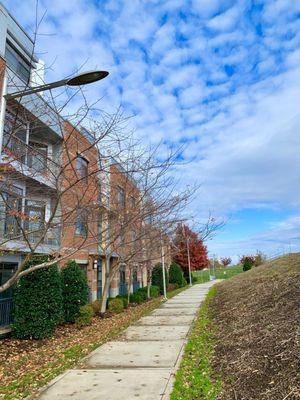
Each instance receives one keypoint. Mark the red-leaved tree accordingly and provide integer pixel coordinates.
(185, 238)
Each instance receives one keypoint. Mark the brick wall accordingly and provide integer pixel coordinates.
(80, 194)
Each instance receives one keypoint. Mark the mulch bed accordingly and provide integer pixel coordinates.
(28, 364)
(258, 319)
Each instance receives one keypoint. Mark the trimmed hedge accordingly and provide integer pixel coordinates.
(37, 302)
(85, 316)
(96, 305)
(154, 291)
(124, 299)
(157, 277)
(176, 275)
(116, 306)
(74, 290)
(136, 298)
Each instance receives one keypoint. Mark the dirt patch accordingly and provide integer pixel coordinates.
(258, 319)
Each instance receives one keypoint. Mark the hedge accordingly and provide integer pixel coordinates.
(37, 302)
(74, 290)
(176, 275)
(157, 277)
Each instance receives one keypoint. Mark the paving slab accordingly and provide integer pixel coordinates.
(181, 305)
(142, 384)
(156, 333)
(170, 320)
(135, 354)
(175, 311)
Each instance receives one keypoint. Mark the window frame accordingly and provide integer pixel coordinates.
(82, 172)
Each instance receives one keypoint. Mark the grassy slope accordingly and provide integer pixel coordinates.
(221, 273)
(258, 336)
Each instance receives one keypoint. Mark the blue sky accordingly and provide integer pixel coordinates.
(222, 76)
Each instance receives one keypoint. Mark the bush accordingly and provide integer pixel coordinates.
(37, 302)
(124, 299)
(143, 293)
(184, 282)
(172, 286)
(116, 306)
(194, 280)
(176, 274)
(96, 305)
(247, 262)
(85, 316)
(74, 290)
(136, 298)
(157, 277)
(154, 291)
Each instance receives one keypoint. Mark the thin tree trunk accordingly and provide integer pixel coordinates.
(106, 286)
(129, 285)
(149, 284)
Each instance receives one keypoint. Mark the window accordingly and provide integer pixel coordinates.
(121, 196)
(11, 206)
(37, 156)
(82, 168)
(35, 218)
(17, 63)
(81, 223)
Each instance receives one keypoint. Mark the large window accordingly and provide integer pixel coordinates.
(120, 197)
(35, 219)
(10, 209)
(17, 63)
(82, 168)
(81, 223)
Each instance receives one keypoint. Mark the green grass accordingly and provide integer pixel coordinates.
(195, 378)
(221, 273)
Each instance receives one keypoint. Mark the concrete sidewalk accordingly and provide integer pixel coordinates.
(141, 363)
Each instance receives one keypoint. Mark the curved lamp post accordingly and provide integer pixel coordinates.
(77, 80)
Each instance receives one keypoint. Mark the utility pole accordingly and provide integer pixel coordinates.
(188, 254)
(163, 266)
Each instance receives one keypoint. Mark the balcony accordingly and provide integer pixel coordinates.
(31, 160)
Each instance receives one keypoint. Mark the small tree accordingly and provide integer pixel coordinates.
(176, 275)
(157, 277)
(247, 262)
(37, 302)
(74, 290)
(226, 261)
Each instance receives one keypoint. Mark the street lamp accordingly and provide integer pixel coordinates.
(77, 80)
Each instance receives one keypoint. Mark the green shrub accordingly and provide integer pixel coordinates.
(85, 316)
(143, 293)
(136, 298)
(172, 286)
(74, 290)
(96, 305)
(157, 277)
(124, 299)
(116, 306)
(176, 275)
(184, 282)
(194, 279)
(154, 291)
(37, 302)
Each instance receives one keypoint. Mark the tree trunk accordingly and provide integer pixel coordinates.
(148, 284)
(129, 285)
(106, 286)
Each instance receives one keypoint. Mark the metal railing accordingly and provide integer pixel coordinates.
(6, 312)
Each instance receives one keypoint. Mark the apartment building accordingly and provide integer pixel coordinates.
(58, 195)
(30, 137)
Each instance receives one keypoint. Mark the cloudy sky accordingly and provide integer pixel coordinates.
(221, 76)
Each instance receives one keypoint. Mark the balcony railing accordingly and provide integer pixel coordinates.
(32, 155)
(6, 312)
(10, 229)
